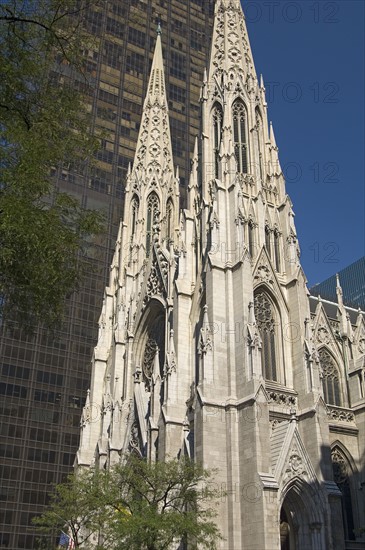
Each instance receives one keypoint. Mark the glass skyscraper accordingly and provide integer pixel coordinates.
(352, 281)
(44, 377)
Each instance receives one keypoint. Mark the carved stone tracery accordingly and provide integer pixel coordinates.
(340, 414)
(295, 466)
(149, 357)
(263, 274)
(323, 336)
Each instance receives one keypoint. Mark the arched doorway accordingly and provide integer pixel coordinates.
(302, 518)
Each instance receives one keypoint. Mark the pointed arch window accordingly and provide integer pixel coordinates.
(217, 131)
(169, 220)
(330, 379)
(152, 210)
(240, 135)
(265, 315)
(258, 141)
(135, 208)
(341, 477)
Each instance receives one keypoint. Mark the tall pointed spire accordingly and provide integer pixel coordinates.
(154, 151)
(230, 44)
(156, 85)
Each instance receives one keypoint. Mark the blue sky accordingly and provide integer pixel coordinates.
(311, 55)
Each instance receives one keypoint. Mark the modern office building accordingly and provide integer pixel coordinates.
(352, 279)
(209, 344)
(43, 377)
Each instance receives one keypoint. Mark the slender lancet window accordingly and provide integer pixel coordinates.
(267, 325)
(251, 238)
(258, 134)
(341, 472)
(169, 220)
(240, 135)
(330, 379)
(217, 130)
(152, 210)
(135, 207)
(277, 250)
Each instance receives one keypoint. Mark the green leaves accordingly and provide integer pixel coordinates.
(137, 505)
(39, 263)
(43, 123)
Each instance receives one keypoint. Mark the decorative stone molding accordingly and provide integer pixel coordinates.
(340, 414)
(245, 181)
(323, 335)
(134, 438)
(282, 398)
(362, 345)
(149, 356)
(137, 375)
(334, 324)
(264, 274)
(295, 466)
(205, 343)
(155, 284)
(214, 222)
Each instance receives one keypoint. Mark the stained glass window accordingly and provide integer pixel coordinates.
(217, 129)
(240, 135)
(341, 477)
(135, 206)
(266, 323)
(330, 378)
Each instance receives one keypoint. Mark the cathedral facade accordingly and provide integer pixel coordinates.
(209, 343)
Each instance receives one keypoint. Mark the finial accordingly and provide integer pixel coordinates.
(159, 29)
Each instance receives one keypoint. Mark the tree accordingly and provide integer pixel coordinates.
(136, 505)
(43, 123)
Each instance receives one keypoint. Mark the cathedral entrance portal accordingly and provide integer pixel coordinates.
(301, 519)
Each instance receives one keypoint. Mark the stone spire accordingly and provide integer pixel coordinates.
(154, 152)
(231, 51)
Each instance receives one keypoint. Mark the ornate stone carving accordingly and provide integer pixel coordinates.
(334, 324)
(149, 357)
(155, 284)
(205, 344)
(137, 375)
(362, 345)
(282, 398)
(339, 467)
(245, 181)
(340, 414)
(323, 336)
(295, 466)
(232, 55)
(134, 441)
(214, 221)
(263, 274)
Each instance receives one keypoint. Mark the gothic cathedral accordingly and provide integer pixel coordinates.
(209, 343)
